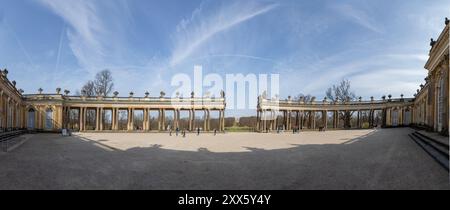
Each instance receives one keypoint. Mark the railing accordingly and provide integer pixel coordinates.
(269, 102)
(123, 99)
(7, 137)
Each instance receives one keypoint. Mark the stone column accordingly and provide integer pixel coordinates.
(159, 120)
(208, 123)
(145, 119)
(113, 120)
(257, 120)
(193, 120)
(223, 120)
(84, 118)
(97, 117)
(325, 119)
(220, 120)
(102, 116)
(163, 120)
(274, 120)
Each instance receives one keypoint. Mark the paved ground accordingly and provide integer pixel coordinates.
(359, 159)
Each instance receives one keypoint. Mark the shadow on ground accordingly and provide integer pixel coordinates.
(385, 159)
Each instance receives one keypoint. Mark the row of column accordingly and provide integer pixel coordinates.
(268, 120)
(11, 114)
(146, 126)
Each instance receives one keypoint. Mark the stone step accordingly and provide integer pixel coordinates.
(438, 147)
(443, 141)
(441, 158)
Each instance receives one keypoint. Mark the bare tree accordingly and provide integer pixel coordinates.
(342, 93)
(303, 97)
(88, 89)
(103, 83)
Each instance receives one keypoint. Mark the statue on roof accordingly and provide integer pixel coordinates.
(432, 42)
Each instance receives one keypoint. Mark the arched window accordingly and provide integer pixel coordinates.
(49, 119)
(31, 117)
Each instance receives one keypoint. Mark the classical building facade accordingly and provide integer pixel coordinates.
(429, 108)
(53, 112)
(432, 99)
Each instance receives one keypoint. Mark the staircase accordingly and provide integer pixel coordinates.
(438, 148)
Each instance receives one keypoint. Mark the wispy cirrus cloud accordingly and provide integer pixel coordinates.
(95, 31)
(205, 23)
(357, 16)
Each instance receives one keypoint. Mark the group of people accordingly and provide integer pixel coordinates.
(183, 132)
(295, 130)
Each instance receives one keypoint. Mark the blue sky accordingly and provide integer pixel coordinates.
(381, 46)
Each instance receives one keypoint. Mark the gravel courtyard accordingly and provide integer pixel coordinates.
(356, 159)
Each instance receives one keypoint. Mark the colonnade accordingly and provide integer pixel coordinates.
(270, 120)
(162, 125)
